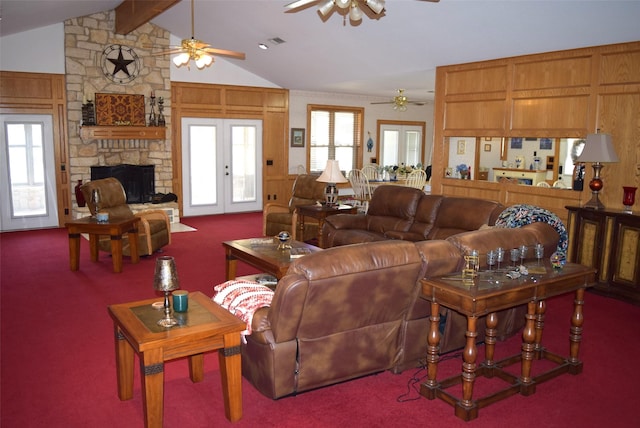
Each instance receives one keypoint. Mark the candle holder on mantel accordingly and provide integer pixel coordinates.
(152, 114)
(628, 198)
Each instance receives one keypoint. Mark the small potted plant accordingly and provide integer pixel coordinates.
(463, 170)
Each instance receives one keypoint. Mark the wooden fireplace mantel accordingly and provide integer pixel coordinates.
(123, 132)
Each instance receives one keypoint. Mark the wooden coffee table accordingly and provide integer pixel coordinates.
(206, 326)
(483, 296)
(261, 253)
(115, 228)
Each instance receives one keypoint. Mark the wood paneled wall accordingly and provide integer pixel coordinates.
(565, 94)
(225, 101)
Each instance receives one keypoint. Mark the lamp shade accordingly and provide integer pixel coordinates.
(598, 148)
(332, 173)
(166, 275)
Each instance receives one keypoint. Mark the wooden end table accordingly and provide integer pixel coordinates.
(484, 296)
(115, 228)
(205, 327)
(320, 213)
(261, 253)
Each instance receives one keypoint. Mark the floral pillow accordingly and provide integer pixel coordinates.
(523, 214)
(242, 298)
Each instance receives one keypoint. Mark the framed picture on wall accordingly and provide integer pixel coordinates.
(461, 147)
(487, 147)
(297, 137)
(545, 144)
(516, 143)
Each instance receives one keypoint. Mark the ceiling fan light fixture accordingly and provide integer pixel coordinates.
(342, 4)
(355, 14)
(203, 60)
(325, 7)
(181, 59)
(375, 5)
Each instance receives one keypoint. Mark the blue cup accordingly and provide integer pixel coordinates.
(180, 300)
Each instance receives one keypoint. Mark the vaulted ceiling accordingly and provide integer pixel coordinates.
(399, 49)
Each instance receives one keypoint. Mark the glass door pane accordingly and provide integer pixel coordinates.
(203, 165)
(29, 198)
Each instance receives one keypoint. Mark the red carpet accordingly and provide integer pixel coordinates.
(58, 368)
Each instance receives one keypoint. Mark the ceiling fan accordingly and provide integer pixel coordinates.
(354, 6)
(401, 101)
(197, 50)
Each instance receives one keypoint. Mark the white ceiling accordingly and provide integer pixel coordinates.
(398, 50)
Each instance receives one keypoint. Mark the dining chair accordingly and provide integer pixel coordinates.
(417, 178)
(361, 189)
(370, 171)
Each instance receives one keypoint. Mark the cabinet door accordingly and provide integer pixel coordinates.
(590, 230)
(625, 259)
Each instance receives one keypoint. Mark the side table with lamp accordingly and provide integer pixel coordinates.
(606, 238)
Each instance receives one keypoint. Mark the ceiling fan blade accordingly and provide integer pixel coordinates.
(385, 102)
(167, 52)
(299, 3)
(225, 52)
(432, 1)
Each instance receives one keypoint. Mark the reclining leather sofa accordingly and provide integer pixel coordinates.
(354, 310)
(397, 212)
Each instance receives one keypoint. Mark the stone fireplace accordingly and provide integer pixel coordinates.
(86, 39)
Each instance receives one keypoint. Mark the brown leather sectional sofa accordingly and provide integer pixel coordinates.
(398, 212)
(356, 309)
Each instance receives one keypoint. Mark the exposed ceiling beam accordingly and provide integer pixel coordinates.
(131, 14)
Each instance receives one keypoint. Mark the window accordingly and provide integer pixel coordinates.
(334, 133)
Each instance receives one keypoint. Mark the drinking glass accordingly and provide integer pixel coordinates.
(474, 262)
(499, 256)
(491, 259)
(523, 253)
(539, 250)
(514, 255)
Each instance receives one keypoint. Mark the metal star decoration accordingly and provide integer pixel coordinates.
(120, 63)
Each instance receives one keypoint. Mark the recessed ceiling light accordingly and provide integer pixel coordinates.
(263, 46)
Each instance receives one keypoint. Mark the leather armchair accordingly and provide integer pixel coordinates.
(154, 231)
(277, 217)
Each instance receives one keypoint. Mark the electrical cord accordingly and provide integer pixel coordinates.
(413, 384)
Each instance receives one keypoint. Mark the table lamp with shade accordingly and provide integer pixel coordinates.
(598, 149)
(166, 280)
(332, 175)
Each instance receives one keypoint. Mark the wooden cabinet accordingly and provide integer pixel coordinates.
(608, 240)
(523, 176)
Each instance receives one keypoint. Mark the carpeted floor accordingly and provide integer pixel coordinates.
(58, 369)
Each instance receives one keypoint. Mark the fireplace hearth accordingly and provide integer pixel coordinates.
(138, 180)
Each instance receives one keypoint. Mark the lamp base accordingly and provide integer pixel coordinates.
(331, 194)
(168, 320)
(594, 202)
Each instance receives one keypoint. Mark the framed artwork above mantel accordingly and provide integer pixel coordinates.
(120, 110)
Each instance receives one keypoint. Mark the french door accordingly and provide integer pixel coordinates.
(401, 144)
(221, 166)
(28, 194)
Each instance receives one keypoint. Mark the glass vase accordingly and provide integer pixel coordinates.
(628, 197)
